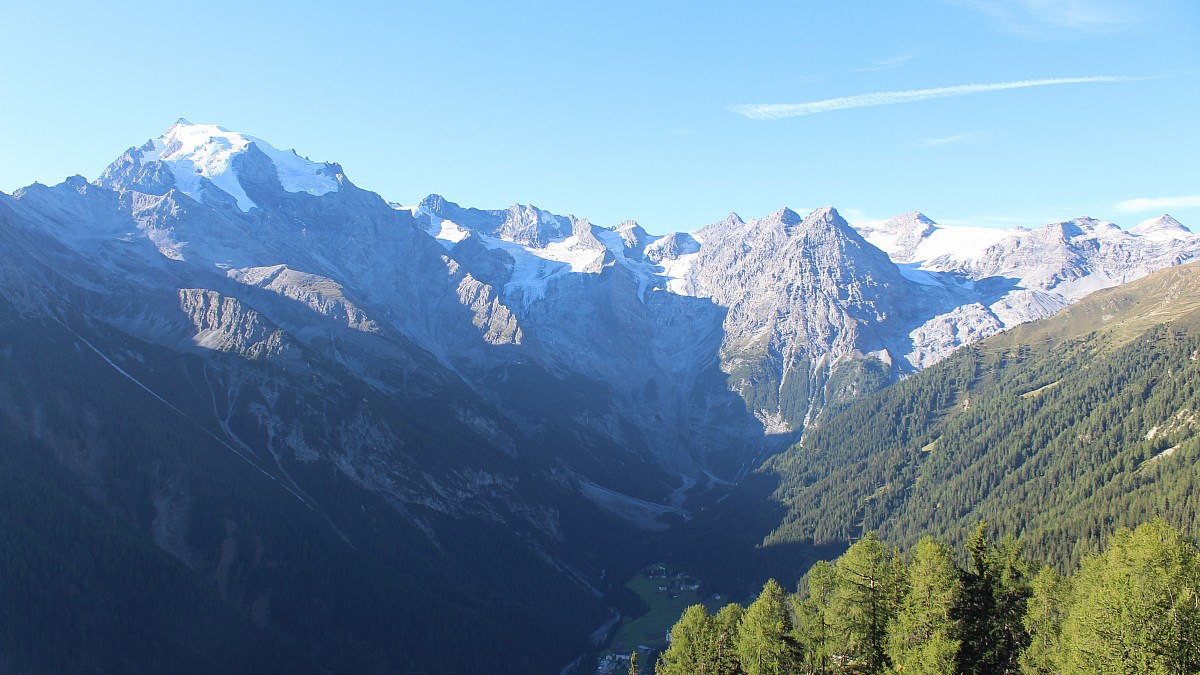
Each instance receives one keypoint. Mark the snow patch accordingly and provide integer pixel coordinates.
(447, 233)
(195, 151)
(959, 242)
(914, 273)
(1162, 228)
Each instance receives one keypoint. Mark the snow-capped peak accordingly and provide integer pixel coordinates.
(194, 151)
(1094, 226)
(1162, 228)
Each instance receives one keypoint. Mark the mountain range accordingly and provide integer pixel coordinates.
(237, 359)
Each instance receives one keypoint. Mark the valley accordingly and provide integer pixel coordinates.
(352, 432)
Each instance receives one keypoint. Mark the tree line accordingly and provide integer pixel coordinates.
(1134, 607)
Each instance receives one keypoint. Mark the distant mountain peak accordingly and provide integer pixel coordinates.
(787, 216)
(827, 218)
(435, 203)
(825, 213)
(906, 223)
(1162, 227)
(1083, 226)
(523, 224)
(203, 156)
(632, 233)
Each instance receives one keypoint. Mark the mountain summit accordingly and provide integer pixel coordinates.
(199, 158)
(1162, 228)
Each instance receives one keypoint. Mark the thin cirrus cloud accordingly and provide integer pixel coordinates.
(1158, 203)
(946, 140)
(774, 111)
(885, 64)
(1054, 18)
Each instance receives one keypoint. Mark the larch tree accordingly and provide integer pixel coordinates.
(1043, 622)
(725, 630)
(692, 646)
(923, 638)
(766, 643)
(1136, 607)
(863, 601)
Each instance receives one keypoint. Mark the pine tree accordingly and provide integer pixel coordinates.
(995, 591)
(1012, 591)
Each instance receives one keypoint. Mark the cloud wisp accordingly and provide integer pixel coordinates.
(946, 140)
(1054, 18)
(886, 64)
(774, 111)
(1142, 204)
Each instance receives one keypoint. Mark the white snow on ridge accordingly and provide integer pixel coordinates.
(960, 243)
(1162, 228)
(964, 243)
(193, 151)
(884, 241)
(297, 174)
(676, 270)
(533, 268)
(446, 232)
(914, 273)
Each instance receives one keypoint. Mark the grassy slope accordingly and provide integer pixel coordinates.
(651, 628)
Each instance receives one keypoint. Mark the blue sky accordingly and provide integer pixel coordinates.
(989, 112)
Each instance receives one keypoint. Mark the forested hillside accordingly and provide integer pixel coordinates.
(1135, 608)
(1057, 433)
(136, 541)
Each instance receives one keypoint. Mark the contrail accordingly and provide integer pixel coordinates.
(774, 111)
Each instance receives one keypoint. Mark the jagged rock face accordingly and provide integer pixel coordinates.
(588, 302)
(908, 229)
(795, 297)
(671, 247)
(1077, 257)
(785, 279)
(520, 224)
(224, 324)
(801, 293)
(1021, 275)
